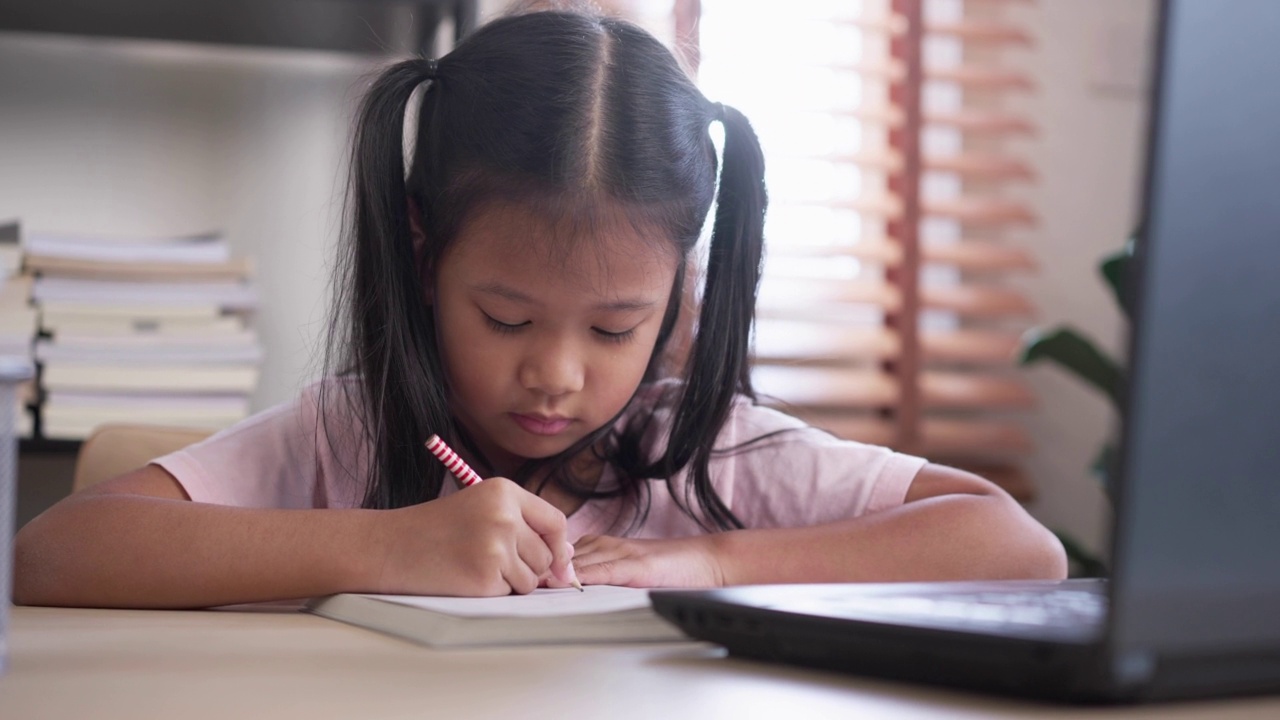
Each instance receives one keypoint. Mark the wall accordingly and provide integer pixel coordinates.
(1091, 66)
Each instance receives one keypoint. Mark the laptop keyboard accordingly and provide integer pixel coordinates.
(1055, 607)
(1047, 608)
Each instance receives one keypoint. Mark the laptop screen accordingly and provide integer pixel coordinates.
(1197, 546)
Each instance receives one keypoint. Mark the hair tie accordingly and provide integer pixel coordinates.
(719, 107)
(429, 68)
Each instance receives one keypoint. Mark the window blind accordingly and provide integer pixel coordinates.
(894, 133)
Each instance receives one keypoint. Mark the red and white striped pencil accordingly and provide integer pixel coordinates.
(463, 471)
(455, 464)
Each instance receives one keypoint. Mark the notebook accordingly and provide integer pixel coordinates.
(598, 614)
(1192, 608)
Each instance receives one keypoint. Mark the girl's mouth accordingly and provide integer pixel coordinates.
(541, 424)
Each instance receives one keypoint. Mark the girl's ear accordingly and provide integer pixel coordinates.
(419, 238)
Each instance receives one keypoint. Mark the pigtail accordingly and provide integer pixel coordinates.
(402, 389)
(718, 367)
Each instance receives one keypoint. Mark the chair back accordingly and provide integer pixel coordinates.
(116, 448)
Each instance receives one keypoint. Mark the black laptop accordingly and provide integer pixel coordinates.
(1192, 607)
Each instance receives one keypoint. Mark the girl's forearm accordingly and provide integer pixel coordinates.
(117, 550)
(951, 537)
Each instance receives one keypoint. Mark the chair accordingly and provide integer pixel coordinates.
(116, 448)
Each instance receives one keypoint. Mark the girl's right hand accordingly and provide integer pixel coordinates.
(492, 538)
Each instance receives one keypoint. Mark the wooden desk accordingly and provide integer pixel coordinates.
(277, 663)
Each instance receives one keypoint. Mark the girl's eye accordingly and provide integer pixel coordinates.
(617, 337)
(504, 328)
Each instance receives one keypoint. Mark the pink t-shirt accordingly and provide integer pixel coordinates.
(284, 458)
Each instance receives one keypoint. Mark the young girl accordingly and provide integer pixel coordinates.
(516, 294)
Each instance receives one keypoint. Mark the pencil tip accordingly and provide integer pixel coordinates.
(579, 586)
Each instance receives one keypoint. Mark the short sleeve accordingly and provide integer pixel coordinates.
(780, 472)
(280, 458)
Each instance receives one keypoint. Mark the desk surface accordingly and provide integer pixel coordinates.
(278, 663)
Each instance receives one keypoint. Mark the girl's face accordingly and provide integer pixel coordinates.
(542, 345)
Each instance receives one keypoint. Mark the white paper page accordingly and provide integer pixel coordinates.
(543, 602)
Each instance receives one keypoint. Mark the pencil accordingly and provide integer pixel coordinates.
(455, 464)
(461, 470)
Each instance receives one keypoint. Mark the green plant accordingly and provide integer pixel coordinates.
(1077, 353)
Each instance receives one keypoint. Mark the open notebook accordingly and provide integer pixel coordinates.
(600, 614)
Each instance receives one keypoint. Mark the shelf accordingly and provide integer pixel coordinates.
(45, 446)
(374, 27)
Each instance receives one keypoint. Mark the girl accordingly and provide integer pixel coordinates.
(517, 294)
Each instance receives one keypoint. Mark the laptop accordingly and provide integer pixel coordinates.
(1192, 607)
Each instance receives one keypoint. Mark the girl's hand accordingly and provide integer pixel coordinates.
(492, 538)
(689, 562)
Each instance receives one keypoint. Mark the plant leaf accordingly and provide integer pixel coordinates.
(1115, 269)
(1104, 466)
(1074, 352)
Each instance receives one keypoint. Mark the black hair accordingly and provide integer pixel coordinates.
(571, 115)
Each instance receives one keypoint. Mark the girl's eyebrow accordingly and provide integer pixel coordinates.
(510, 293)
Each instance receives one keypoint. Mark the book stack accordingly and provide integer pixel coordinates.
(17, 319)
(141, 330)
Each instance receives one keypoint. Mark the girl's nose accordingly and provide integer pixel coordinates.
(553, 370)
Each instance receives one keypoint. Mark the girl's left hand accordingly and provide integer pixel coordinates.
(681, 562)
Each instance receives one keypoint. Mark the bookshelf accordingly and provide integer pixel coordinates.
(143, 117)
(351, 26)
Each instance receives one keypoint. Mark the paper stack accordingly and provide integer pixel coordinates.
(17, 319)
(141, 330)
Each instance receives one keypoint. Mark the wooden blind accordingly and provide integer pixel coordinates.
(893, 132)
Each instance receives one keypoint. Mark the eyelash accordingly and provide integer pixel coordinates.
(618, 337)
(505, 329)
(502, 327)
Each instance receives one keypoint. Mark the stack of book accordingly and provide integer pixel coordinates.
(141, 330)
(17, 319)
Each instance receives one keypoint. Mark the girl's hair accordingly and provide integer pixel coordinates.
(580, 119)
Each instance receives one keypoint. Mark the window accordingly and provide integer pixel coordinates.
(892, 131)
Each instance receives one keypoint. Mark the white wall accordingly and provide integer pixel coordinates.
(1091, 104)
(487, 9)
(110, 136)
